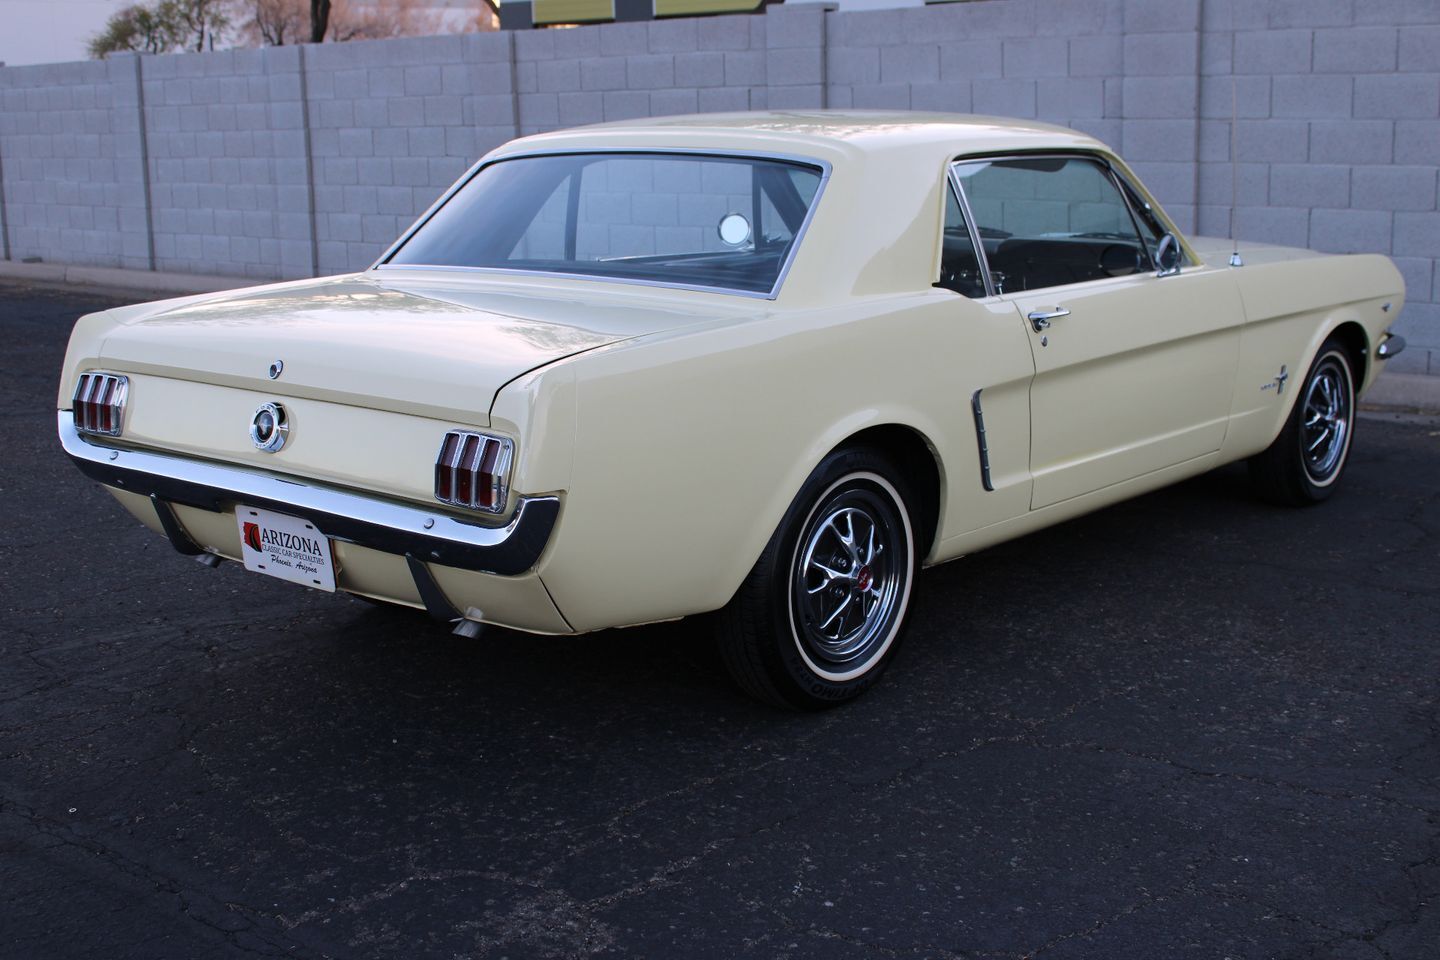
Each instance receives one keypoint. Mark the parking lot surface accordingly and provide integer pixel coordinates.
(1189, 725)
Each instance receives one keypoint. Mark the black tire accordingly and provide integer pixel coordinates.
(774, 634)
(1304, 464)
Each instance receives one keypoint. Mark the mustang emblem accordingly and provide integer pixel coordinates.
(269, 427)
(1278, 384)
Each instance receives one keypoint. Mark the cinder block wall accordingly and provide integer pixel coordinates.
(225, 139)
(71, 161)
(296, 161)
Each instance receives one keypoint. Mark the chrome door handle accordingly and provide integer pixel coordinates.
(1040, 319)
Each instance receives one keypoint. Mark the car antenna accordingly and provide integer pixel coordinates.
(1235, 260)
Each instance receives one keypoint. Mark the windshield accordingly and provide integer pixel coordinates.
(724, 222)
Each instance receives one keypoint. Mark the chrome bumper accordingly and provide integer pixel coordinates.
(427, 536)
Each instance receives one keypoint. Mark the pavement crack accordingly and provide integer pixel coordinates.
(199, 908)
(1274, 782)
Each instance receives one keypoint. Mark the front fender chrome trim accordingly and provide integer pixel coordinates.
(385, 525)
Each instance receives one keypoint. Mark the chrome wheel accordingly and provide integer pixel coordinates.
(1325, 419)
(822, 612)
(850, 577)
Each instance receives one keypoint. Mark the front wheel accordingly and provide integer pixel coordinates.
(818, 618)
(1304, 464)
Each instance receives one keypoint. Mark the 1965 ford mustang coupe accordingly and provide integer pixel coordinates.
(763, 364)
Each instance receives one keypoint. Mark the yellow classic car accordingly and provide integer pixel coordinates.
(764, 364)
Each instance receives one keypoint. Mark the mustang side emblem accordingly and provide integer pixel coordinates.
(269, 428)
(1278, 384)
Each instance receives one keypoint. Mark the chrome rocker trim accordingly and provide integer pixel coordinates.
(426, 535)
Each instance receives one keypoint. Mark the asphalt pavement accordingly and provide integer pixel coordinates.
(1188, 726)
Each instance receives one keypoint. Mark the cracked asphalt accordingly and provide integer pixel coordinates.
(1190, 725)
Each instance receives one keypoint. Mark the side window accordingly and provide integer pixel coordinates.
(1049, 221)
(959, 270)
(1151, 229)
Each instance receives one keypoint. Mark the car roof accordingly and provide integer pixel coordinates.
(845, 130)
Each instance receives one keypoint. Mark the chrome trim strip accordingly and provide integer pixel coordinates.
(340, 514)
(454, 465)
(1390, 346)
(979, 413)
(799, 238)
(980, 256)
(385, 268)
(1128, 196)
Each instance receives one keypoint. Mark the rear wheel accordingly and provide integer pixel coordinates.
(818, 618)
(1304, 464)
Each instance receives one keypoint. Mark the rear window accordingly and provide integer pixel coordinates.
(724, 222)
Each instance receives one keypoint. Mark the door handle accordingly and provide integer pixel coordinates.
(1040, 319)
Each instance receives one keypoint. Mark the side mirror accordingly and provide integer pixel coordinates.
(1167, 256)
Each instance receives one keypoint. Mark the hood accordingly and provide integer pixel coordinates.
(1216, 251)
(439, 347)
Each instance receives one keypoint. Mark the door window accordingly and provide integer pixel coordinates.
(1050, 221)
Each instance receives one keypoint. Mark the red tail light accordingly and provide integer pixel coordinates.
(472, 470)
(100, 403)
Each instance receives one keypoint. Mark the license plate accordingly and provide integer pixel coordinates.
(286, 547)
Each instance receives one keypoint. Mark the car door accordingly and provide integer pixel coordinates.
(1133, 372)
(993, 370)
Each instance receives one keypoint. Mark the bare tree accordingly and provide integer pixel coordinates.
(274, 23)
(380, 19)
(319, 20)
(278, 22)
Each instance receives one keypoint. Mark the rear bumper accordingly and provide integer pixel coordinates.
(426, 536)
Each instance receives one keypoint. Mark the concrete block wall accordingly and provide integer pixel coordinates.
(620, 71)
(1338, 143)
(1064, 64)
(228, 186)
(297, 161)
(391, 125)
(71, 157)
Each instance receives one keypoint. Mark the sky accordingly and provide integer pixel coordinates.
(46, 31)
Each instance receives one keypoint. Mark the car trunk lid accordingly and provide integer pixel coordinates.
(375, 370)
(434, 348)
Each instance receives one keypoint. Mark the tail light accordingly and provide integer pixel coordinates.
(99, 403)
(473, 470)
